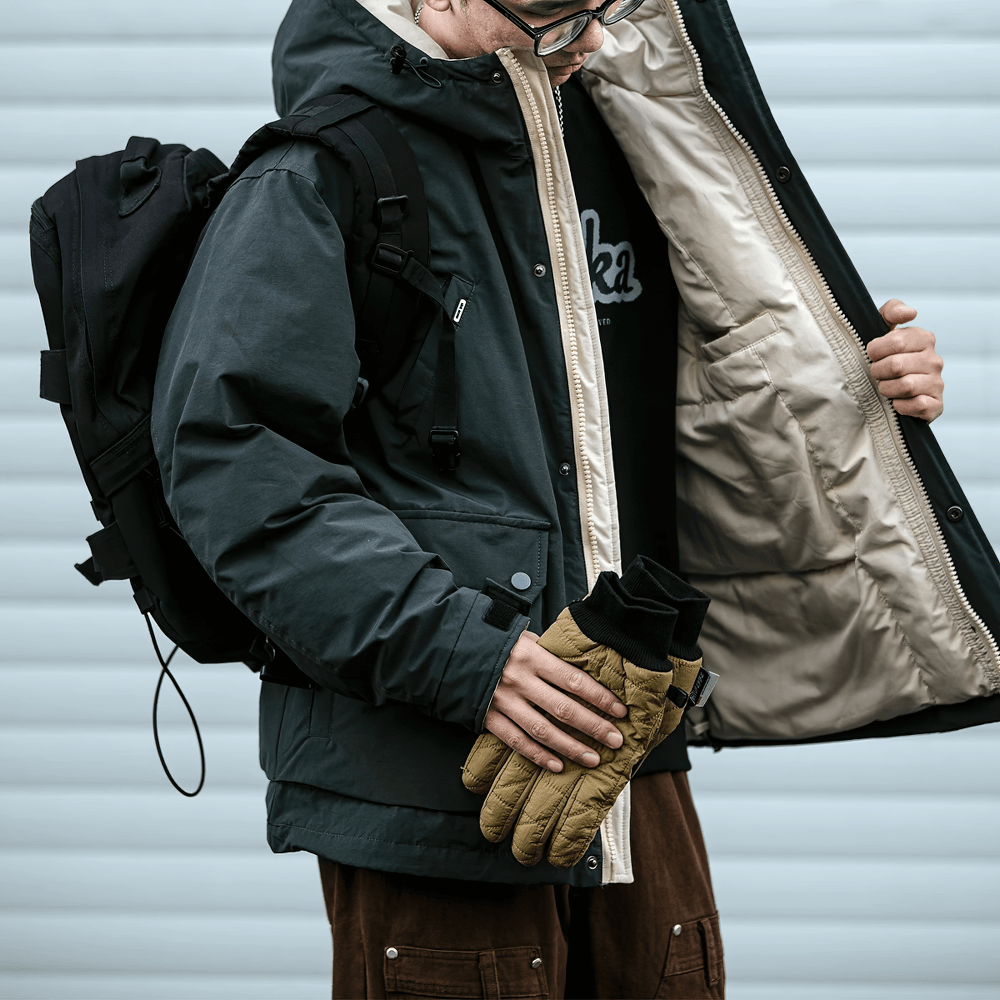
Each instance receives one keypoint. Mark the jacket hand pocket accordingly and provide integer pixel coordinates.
(513, 551)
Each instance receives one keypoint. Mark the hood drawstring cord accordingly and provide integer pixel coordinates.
(420, 10)
(398, 62)
(558, 95)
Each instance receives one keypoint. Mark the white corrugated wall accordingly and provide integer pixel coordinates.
(868, 870)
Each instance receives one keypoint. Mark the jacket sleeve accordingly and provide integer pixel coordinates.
(256, 374)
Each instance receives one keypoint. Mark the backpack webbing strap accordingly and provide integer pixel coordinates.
(390, 206)
(444, 440)
(372, 133)
(306, 124)
(54, 378)
(392, 261)
(110, 559)
(125, 459)
(446, 446)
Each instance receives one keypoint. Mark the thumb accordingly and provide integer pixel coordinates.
(895, 312)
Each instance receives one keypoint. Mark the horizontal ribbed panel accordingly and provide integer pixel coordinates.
(164, 986)
(854, 196)
(932, 822)
(240, 71)
(827, 132)
(158, 882)
(125, 19)
(224, 693)
(47, 133)
(227, 19)
(134, 819)
(93, 941)
(745, 990)
(920, 950)
(73, 756)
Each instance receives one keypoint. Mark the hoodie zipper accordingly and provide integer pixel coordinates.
(855, 342)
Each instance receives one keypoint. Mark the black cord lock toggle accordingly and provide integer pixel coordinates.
(446, 448)
(398, 62)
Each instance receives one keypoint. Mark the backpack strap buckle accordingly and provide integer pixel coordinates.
(390, 260)
(445, 448)
(389, 212)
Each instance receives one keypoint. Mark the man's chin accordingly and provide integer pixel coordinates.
(558, 75)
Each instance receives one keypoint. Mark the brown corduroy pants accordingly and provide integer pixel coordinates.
(409, 936)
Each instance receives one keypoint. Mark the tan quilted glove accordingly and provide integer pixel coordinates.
(564, 810)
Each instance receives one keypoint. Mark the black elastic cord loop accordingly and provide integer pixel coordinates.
(165, 671)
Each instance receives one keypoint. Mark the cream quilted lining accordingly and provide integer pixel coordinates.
(832, 606)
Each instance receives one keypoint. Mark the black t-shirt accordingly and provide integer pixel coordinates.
(636, 299)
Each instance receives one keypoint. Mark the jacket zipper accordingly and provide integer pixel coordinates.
(916, 483)
(564, 290)
(617, 862)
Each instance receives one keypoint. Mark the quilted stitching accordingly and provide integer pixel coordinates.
(565, 810)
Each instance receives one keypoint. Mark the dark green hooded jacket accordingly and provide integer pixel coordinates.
(843, 604)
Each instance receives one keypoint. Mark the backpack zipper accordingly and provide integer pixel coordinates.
(923, 504)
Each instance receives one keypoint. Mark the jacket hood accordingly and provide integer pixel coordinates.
(334, 46)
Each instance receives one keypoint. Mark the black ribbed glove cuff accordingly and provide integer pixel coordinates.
(640, 630)
(650, 581)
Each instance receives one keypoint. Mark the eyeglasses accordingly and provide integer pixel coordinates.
(557, 35)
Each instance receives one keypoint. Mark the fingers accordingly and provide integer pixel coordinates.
(535, 688)
(925, 407)
(906, 366)
(487, 756)
(916, 395)
(572, 679)
(519, 706)
(895, 312)
(542, 731)
(529, 660)
(901, 364)
(517, 739)
(908, 340)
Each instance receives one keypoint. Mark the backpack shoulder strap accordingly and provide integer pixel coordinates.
(391, 272)
(391, 215)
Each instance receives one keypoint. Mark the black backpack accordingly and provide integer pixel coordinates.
(111, 244)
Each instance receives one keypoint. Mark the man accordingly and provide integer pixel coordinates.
(651, 232)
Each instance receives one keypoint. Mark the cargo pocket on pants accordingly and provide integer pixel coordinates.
(494, 974)
(693, 967)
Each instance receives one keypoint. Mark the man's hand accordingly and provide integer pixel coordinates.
(906, 366)
(535, 681)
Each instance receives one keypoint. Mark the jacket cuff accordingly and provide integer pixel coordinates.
(649, 580)
(491, 629)
(640, 630)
